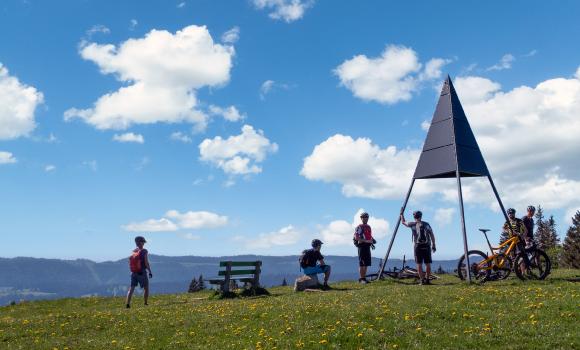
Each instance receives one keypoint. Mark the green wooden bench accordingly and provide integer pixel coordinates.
(249, 272)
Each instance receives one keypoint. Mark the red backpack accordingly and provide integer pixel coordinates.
(135, 261)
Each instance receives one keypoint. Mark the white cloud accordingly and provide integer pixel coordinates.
(197, 219)
(231, 36)
(181, 5)
(151, 225)
(239, 154)
(18, 103)
(425, 125)
(340, 232)
(504, 63)
(7, 158)
(286, 10)
(129, 137)
(181, 137)
(230, 113)
(285, 236)
(161, 73)
(269, 86)
(443, 216)
(49, 168)
(528, 136)
(363, 169)
(99, 28)
(531, 53)
(133, 24)
(570, 213)
(393, 77)
(174, 221)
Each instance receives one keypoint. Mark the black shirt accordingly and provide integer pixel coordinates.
(312, 257)
(529, 224)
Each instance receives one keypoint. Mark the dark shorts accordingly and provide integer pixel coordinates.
(423, 254)
(140, 279)
(364, 255)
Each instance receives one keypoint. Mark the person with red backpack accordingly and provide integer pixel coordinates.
(139, 265)
(364, 241)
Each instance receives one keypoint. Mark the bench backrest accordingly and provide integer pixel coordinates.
(248, 268)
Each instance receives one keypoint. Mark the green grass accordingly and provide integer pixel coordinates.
(381, 315)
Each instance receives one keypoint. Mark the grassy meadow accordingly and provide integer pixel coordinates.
(382, 315)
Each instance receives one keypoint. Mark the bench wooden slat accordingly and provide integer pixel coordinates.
(241, 279)
(240, 263)
(237, 272)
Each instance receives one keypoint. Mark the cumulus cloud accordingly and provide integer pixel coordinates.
(230, 113)
(285, 236)
(181, 137)
(390, 78)
(161, 73)
(238, 155)
(173, 220)
(443, 216)
(151, 225)
(18, 103)
(231, 36)
(504, 63)
(527, 136)
(7, 158)
(340, 232)
(129, 137)
(286, 10)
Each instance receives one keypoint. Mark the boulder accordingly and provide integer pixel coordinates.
(305, 282)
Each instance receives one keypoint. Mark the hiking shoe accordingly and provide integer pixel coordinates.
(427, 281)
(326, 287)
(128, 306)
(363, 281)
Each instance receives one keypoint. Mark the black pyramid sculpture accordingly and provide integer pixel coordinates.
(450, 151)
(450, 143)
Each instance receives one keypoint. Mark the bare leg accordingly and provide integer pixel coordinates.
(428, 270)
(327, 275)
(420, 271)
(146, 294)
(129, 295)
(362, 271)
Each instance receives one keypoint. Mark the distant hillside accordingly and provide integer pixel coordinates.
(32, 278)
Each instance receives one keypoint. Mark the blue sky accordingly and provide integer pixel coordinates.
(254, 126)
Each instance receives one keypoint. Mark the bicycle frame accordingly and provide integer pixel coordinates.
(512, 242)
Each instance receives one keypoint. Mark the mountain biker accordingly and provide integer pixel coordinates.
(518, 228)
(365, 241)
(424, 243)
(309, 259)
(528, 221)
(139, 264)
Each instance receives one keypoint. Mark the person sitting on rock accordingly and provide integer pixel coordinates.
(309, 259)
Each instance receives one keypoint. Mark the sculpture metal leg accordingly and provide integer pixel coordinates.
(463, 226)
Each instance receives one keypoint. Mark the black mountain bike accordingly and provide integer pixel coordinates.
(405, 272)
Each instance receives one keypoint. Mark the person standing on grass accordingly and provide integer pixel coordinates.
(424, 243)
(364, 240)
(139, 265)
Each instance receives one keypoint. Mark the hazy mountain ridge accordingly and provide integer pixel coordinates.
(25, 278)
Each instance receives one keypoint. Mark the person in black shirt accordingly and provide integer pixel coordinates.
(528, 220)
(309, 260)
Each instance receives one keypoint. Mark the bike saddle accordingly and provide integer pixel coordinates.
(484, 230)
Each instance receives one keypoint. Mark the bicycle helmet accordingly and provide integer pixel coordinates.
(511, 211)
(417, 214)
(531, 208)
(316, 243)
(364, 214)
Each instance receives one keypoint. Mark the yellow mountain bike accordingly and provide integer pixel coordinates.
(532, 263)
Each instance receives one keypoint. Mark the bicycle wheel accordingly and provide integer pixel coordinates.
(479, 268)
(540, 265)
(503, 272)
